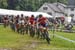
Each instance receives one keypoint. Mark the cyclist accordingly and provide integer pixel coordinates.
(43, 22)
(6, 20)
(32, 24)
(21, 24)
(27, 25)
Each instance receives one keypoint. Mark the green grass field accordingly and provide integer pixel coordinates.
(15, 41)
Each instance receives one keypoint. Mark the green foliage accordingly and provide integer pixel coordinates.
(3, 4)
(27, 5)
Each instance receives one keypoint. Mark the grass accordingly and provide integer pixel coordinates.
(10, 39)
(67, 35)
(73, 27)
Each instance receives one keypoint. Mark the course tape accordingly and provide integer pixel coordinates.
(64, 38)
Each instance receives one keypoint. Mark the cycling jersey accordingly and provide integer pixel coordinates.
(31, 20)
(42, 21)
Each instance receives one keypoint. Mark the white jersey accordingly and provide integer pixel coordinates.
(21, 22)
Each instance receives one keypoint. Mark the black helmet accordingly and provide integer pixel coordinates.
(21, 15)
(40, 15)
(32, 15)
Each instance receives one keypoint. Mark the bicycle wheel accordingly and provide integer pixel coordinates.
(47, 37)
(32, 32)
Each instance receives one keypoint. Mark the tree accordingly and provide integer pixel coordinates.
(11, 4)
(3, 3)
(29, 5)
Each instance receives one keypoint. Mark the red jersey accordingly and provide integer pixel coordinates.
(42, 20)
(32, 20)
(5, 19)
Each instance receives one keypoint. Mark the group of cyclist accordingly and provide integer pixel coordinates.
(33, 26)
